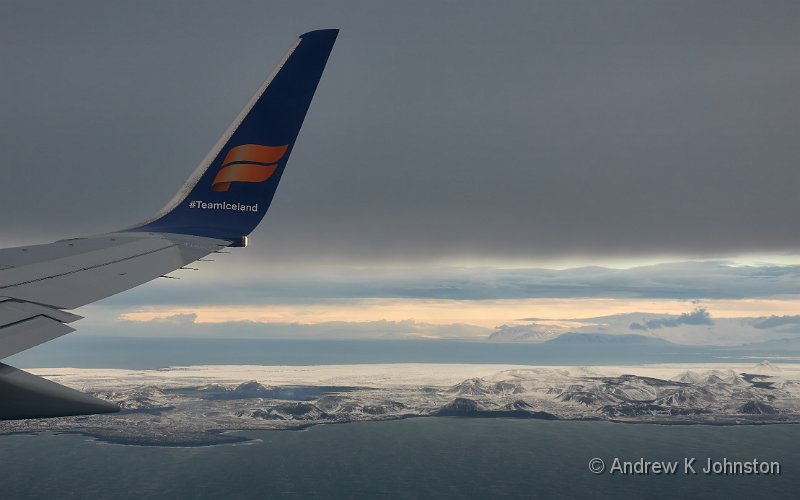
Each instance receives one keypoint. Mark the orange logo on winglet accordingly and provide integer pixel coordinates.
(248, 163)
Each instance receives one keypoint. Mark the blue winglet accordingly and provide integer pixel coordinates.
(232, 189)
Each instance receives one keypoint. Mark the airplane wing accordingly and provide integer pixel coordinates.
(221, 203)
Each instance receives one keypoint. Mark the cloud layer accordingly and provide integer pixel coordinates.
(712, 280)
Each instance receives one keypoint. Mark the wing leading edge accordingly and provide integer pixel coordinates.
(220, 204)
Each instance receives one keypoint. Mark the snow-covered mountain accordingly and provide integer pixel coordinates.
(196, 404)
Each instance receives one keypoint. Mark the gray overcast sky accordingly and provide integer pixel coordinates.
(440, 129)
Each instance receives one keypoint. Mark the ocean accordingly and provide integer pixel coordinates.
(150, 353)
(436, 457)
(431, 457)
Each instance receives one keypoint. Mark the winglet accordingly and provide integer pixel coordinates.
(232, 188)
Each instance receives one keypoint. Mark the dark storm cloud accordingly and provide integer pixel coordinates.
(519, 129)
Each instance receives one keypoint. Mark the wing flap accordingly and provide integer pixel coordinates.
(24, 325)
(12, 311)
(30, 333)
(27, 396)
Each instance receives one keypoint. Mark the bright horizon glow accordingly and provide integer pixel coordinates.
(485, 313)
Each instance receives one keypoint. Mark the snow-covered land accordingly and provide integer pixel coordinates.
(199, 404)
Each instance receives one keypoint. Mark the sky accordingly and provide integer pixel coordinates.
(463, 165)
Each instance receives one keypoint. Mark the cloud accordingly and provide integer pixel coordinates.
(691, 328)
(176, 319)
(181, 325)
(776, 321)
(692, 280)
(697, 317)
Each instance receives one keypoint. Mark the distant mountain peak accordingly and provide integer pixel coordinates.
(607, 339)
(766, 367)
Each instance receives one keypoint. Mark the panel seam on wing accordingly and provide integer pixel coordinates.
(88, 268)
